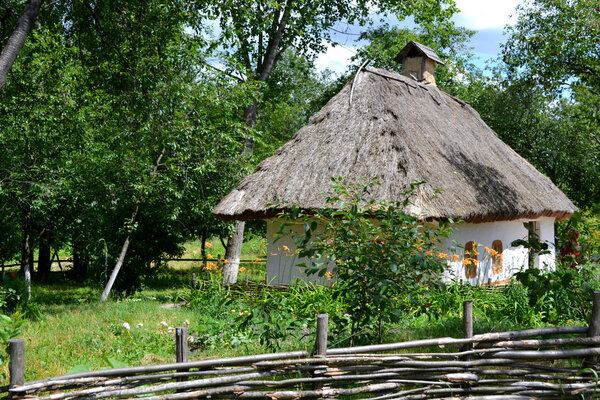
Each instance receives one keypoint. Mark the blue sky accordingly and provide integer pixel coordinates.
(487, 17)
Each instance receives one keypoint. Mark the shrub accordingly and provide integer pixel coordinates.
(376, 252)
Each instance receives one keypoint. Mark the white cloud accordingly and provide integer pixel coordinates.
(335, 58)
(481, 14)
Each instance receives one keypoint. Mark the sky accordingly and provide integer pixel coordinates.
(487, 17)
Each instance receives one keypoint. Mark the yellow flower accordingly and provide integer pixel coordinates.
(455, 257)
(242, 269)
(493, 252)
(285, 248)
(487, 249)
(328, 274)
(208, 244)
(467, 261)
(225, 261)
(442, 255)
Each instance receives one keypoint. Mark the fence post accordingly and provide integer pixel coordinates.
(16, 364)
(321, 346)
(181, 349)
(181, 344)
(467, 325)
(322, 327)
(594, 329)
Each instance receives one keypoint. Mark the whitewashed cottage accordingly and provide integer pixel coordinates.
(401, 128)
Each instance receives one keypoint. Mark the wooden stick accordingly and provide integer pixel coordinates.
(547, 354)
(536, 343)
(468, 326)
(16, 364)
(103, 393)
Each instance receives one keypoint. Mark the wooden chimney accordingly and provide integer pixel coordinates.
(418, 61)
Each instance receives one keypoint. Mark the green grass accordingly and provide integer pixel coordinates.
(75, 330)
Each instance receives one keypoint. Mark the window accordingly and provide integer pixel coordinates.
(497, 256)
(470, 260)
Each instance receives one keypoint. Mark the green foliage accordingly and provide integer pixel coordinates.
(555, 43)
(10, 328)
(273, 318)
(587, 223)
(375, 251)
(561, 296)
(545, 105)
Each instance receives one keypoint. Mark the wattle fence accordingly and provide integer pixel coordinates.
(546, 363)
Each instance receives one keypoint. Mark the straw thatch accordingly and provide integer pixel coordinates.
(400, 131)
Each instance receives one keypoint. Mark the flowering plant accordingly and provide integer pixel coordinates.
(376, 252)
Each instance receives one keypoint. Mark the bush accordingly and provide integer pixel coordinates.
(563, 295)
(376, 252)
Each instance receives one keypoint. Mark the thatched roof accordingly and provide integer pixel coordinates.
(399, 131)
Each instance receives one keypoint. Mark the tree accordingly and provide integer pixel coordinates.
(555, 44)
(98, 93)
(255, 34)
(550, 77)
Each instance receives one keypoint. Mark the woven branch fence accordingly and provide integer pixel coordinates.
(546, 363)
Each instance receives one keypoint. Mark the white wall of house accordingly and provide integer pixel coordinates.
(282, 258)
(514, 259)
(283, 261)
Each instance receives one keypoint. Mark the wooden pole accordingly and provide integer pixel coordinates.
(468, 325)
(16, 364)
(321, 345)
(181, 349)
(181, 344)
(594, 329)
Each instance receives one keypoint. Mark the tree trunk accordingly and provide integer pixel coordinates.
(80, 263)
(17, 39)
(44, 257)
(119, 264)
(27, 255)
(234, 244)
(233, 254)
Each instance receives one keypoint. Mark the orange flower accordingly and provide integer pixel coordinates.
(225, 261)
(442, 255)
(208, 244)
(493, 252)
(455, 257)
(467, 261)
(285, 248)
(242, 269)
(487, 249)
(258, 259)
(328, 274)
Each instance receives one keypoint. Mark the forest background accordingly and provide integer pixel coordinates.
(123, 123)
